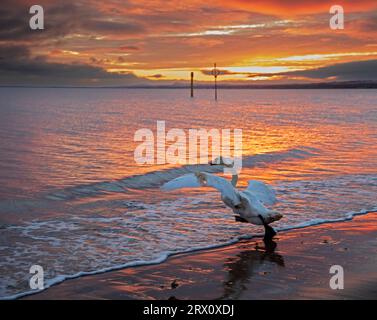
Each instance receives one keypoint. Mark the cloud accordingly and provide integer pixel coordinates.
(156, 76)
(357, 70)
(296, 7)
(351, 71)
(129, 48)
(366, 23)
(93, 36)
(60, 20)
(219, 72)
(113, 27)
(18, 67)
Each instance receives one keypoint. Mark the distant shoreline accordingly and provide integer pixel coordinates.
(295, 86)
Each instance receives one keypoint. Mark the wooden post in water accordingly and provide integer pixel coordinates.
(215, 73)
(192, 84)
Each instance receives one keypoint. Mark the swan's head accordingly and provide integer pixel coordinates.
(222, 161)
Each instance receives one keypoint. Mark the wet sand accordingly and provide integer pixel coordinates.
(294, 266)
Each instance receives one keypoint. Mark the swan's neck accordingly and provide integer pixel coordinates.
(234, 180)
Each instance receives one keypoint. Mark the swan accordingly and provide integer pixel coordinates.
(248, 205)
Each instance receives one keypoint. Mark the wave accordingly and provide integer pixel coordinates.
(157, 178)
(165, 255)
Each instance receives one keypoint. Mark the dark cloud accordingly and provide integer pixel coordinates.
(18, 67)
(13, 53)
(156, 76)
(364, 23)
(268, 75)
(113, 27)
(219, 72)
(13, 25)
(245, 74)
(129, 48)
(351, 71)
(60, 20)
(358, 70)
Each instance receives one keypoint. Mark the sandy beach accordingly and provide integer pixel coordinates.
(295, 266)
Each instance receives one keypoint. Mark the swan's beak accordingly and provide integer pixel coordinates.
(214, 163)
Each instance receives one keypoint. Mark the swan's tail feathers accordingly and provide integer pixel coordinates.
(262, 192)
(186, 181)
(273, 216)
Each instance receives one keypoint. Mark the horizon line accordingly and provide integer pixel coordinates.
(353, 84)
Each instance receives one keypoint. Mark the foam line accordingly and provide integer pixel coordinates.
(165, 255)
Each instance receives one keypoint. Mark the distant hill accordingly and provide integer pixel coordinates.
(201, 85)
(322, 85)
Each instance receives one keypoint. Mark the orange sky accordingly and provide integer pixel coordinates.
(133, 40)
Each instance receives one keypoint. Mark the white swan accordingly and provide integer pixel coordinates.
(248, 205)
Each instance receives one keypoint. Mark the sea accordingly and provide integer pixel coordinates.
(74, 200)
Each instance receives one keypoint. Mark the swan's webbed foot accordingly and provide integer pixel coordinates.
(269, 232)
(240, 219)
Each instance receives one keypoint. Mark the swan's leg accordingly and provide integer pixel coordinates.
(269, 232)
(240, 219)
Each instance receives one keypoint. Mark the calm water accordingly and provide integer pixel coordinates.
(73, 200)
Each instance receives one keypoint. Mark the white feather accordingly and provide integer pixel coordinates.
(224, 186)
(262, 192)
(186, 181)
(203, 179)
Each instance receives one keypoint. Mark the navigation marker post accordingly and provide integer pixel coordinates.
(192, 84)
(215, 73)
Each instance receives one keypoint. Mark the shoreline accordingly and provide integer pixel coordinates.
(248, 269)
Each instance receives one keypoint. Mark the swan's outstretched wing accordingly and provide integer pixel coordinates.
(186, 181)
(203, 179)
(262, 192)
